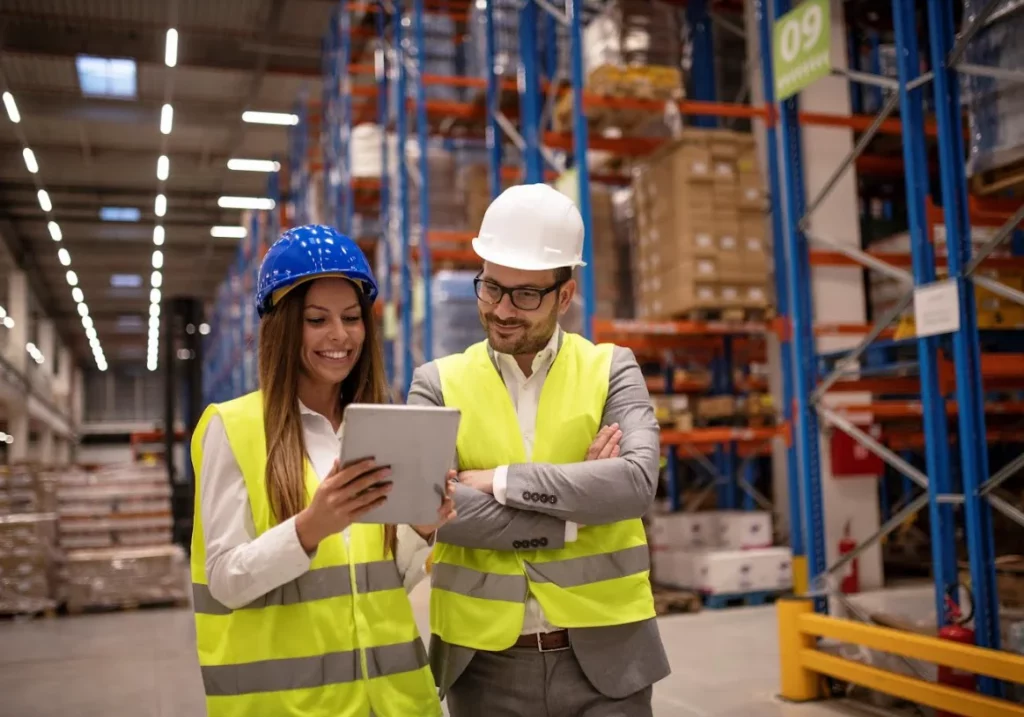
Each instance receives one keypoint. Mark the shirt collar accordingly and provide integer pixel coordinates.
(305, 410)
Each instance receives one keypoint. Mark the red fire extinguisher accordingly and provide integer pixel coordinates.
(851, 578)
(956, 631)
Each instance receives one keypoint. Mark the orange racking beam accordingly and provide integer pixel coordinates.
(835, 258)
(718, 436)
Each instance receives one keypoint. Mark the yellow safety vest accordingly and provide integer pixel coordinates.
(478, 598)
(338, 641)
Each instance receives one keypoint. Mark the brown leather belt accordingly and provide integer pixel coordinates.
(545, 641)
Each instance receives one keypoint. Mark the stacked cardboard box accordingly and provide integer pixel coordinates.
(28, 559)
(701, 230)
(718, 552)
(25, 489)
(121, 506)
(113, 577)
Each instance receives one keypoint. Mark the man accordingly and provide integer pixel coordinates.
(541, 601)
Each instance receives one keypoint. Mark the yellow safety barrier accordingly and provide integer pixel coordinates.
(802, 664)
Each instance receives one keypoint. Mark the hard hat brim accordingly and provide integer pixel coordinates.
(492, 256)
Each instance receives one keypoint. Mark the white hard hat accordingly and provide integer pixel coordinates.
(531, 227)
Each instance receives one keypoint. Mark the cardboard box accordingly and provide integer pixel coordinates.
(751, 193)
(743, 571)
(744, 529)
(683, 531)
(674, 568)
(715, 407)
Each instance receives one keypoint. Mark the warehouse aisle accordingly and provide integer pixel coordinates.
(142, 664)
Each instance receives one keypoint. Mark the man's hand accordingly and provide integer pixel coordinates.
(606, 443)
(483, 481)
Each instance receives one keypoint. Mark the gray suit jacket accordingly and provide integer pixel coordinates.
(618, 660)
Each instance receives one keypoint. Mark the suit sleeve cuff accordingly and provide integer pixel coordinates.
(571, 531)
(500, 484)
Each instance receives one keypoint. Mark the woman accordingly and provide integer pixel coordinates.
(299, 610)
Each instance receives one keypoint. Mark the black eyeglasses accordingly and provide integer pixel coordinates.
(523, 298)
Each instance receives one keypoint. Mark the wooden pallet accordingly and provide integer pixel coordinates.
(751, 599)
(672, 601)
(730, 315)
(1009, 179)
(38, 614)
(641, 83)
(126, 605)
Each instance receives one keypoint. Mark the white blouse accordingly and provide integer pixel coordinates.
(241, 567)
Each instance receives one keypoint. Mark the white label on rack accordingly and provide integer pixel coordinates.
(937, 308)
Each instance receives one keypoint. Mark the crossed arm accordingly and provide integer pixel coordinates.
(591, 492)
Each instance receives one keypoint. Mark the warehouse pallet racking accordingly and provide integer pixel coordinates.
(970, 368)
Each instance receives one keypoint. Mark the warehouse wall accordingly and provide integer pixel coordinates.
(838, 293)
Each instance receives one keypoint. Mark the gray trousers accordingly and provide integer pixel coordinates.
(524, 682)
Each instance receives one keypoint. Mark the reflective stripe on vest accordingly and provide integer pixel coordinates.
(603, 578)
(300, 673)
(315, 585)
(338, 641)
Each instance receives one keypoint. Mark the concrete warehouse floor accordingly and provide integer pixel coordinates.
(142, 664)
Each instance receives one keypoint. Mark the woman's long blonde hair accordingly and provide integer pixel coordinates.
(280, 363)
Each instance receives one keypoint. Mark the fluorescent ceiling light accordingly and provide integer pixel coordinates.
(90, 331)
(158, 259)
(204, 329)
(31, 348)
(95, 344)
(9, 322)
(64, 256)
(163, 167)
(160, 206)
(72, 278)
(171, 48)
(154, 309)
(245, 203)
(120, 214)
(106, 77)
(229, 232)
(166, 119)
(254, 165)
(30, 160)
(154, 296)
(12, 108)
(158, 235)
(54, 228)
(278, 118)
(77, 295)
(83, 309)
(154, 324)
(126, 281)
(44, 201)
(156, 279)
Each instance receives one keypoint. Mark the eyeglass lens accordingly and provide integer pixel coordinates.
(525, 299)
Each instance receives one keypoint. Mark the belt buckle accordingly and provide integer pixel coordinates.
(541, 648)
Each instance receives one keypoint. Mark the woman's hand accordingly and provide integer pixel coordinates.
(445, 512)
(344, 495)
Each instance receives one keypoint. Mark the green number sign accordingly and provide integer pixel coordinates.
(801, 47)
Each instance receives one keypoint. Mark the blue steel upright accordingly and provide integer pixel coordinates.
(936, 431)
(423, 133)
(493, 132)
(385, 272)
(402, 131)
(703, 73)
(342, 82)
(580, 143)
(327, 117)
(529, 93)
(804, 360)
(782, 283)
(966, 353)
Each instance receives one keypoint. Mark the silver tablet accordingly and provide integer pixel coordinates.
(417, 442)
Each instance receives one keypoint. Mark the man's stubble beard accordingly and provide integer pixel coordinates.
(533, 340)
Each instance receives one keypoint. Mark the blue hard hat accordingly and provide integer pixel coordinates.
(310, 252)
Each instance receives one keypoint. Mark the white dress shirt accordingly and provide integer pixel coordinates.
(240, 566)
(525, 392)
